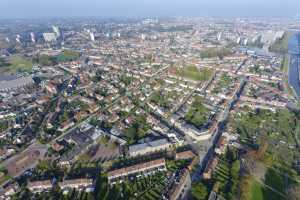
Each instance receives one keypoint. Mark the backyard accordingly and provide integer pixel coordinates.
(197, 114)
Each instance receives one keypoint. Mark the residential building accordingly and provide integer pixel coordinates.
(137, 170)
(8, 191)
(180, 188)
(79, 184)
(185, 155)
(39, 186)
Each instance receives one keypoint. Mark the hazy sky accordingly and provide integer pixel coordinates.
(145, 8)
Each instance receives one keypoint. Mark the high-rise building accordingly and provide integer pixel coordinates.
(245, 42)
(49, 37)
(220, 36)
(92, 36)
(57, 31)
(238, 41)
(32, 36)
(18, 38)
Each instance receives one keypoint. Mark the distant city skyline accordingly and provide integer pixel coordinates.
(147, 8)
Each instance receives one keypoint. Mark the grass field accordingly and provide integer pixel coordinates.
(16, 64)
(259, 192)
(256, 191)
(67, 56)
(193, 73)
(285, 64)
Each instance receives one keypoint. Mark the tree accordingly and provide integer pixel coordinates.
(199, 191)
(101, 187)
(235, 169)
(94, 121)
(231, 154)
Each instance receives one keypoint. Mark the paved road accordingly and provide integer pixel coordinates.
(204, 85)
(216, 135)
(43, 150)
(159, 72)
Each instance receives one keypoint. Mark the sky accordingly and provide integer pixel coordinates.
(147, 8)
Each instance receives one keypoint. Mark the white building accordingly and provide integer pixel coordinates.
(149, 147)
(49, 37)
(32, 36)
(79, 184)
(57, 31)
(39, 186)
(92, 36)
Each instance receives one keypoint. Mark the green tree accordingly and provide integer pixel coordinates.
(199, 191)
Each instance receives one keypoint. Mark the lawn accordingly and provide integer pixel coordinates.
(285, 64)
(16, 64)
(259, 192)
(20, 64)
(67, 56)
(256, 191)
(193, 73)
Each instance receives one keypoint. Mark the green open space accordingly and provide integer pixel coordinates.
(193, 73)
(197, 114)
(64, 56)
(256, 192)
(67, 55)
(15, 64)
(137, 130)
(272, 133)
(215, 52)
(259, 192)
(275, 128)
(285, 64)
